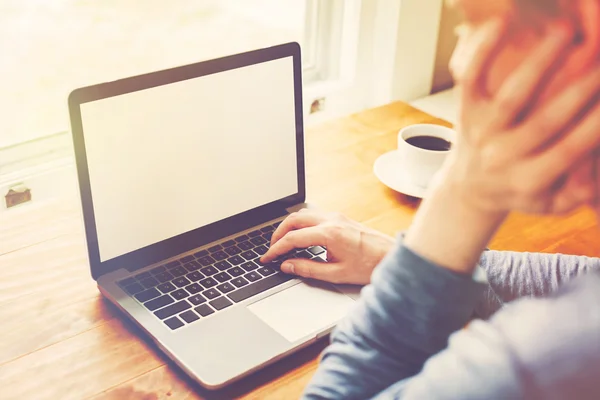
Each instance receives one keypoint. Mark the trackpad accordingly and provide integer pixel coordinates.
(302, 310)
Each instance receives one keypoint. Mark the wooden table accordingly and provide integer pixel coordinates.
(60, 340)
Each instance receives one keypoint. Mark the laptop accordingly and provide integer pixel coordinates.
(184, 174)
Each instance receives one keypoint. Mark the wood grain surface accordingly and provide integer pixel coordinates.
(60, 340)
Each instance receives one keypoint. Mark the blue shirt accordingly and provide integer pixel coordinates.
(404, 339)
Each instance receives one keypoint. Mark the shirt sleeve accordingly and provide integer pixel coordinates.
(513, 275)
(535, 349)
(403, 317)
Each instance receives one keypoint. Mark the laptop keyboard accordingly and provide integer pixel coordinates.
(196, 286)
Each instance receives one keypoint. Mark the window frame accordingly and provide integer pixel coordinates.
(354, 41)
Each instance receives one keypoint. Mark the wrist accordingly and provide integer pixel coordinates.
(448, 231)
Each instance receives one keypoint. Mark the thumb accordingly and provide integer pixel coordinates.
(328, 272)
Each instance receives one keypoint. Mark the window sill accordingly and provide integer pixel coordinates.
(45, 165)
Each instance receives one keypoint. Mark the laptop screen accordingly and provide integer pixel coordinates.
(167, 160)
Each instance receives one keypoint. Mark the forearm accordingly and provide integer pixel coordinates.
(404, 317)
(450, 233)
(512, 275)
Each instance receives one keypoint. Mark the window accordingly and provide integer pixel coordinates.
(56, 46)
(51, 47)
(356, 54)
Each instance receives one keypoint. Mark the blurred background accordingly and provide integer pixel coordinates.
(356, 55)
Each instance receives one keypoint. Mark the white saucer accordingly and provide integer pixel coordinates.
(389, 170)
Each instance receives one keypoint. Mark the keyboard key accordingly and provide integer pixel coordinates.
(159, 302)
(259, 287)
(266, 271)
(189, 316)
(226, 287)
(239, 282)
(255, 233)
(208, 283)
(174, 323)
(195, 276)
(143, 275)
(228, 243)
(180, 294)
(149, 282)
(172, 264)
(259, 263)
(252, 276)
(316, 250)
(249, 266)
(204, 310)
(220, 255)
(164, 277)
(211, 293)
(258, 240)
(236, 260)
(134, 288)
(186, 259)
(268, 228)
(249, 255)
(222, 277)
(172, 309)
(235, 271)
(197, 299)
(319, 259)
(216, 247)
(304, 254)
(158, 270)
(260, 250)
(233, 250)
(166, 287)
(220, 303)
(245, 246)
(208, 271)
(201, 253)
(268, 236)
(181, 281)
(223, 265)
(274, 265)
(276, 224)
(206, 261)
(192, 266)
(178, 271)
(127, 282)
(241, 238)
(147, 295)
(194, 288)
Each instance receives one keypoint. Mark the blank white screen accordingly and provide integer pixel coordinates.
(170, 159)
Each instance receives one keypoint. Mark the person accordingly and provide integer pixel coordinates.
(528, 79)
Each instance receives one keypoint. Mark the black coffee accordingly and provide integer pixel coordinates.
(429, 143)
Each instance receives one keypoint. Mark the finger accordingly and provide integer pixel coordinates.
(552, 118)
(297, 220)
(569, 192)
(577, 190)
(518, 89)
(596, 179)
(571, 198)
(485, 44)
(563, 154)
(328, 272)
(301, 238)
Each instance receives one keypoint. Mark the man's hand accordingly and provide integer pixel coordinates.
(353, 250)
(516, 150)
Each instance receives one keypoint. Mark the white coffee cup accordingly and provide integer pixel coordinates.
(421, 165)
